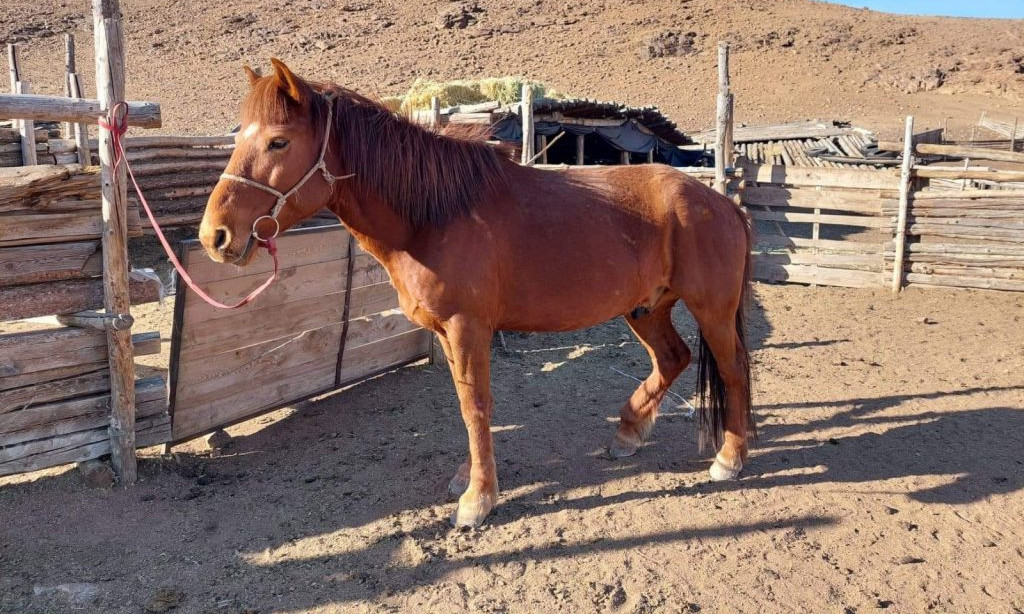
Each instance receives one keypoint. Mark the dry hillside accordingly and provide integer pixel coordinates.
(794, 58)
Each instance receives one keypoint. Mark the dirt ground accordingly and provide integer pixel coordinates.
(888, 476)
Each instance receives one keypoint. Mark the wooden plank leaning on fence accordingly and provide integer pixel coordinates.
(901, 216)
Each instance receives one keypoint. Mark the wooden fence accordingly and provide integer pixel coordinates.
(825, 226)
(55, 382)
(832, 226)
(227, 366)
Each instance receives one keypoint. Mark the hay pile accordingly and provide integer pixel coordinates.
(506, 90)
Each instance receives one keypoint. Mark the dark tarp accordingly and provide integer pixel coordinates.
(626, 137)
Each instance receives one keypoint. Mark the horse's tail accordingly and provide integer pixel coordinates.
(710, 386)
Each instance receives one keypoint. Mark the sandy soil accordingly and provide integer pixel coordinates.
(888, 475)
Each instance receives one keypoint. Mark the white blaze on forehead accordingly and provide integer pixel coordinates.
(250, 130)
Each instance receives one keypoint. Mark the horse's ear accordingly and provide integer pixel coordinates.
(287, 82)
(252, 74)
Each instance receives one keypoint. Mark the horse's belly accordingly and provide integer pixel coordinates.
(571, 301)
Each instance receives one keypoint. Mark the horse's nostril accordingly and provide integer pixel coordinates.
(222, 239)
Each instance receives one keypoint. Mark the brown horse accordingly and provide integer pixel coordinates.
(475, 243)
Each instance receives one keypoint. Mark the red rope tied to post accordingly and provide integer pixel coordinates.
(118, 125)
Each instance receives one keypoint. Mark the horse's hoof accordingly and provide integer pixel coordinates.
(722, 470)
(621, 447)
(471, 511)
(458, 484)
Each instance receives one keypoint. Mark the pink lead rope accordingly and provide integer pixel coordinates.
(117, 127)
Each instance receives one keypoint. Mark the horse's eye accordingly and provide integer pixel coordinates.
(277, 144)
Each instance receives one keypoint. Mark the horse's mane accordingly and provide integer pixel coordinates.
(427, 177)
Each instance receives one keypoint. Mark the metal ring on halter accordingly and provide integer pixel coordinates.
(256, 234)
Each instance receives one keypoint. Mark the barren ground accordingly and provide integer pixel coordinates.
(888, 475)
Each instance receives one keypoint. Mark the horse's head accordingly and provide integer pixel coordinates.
(278, 143)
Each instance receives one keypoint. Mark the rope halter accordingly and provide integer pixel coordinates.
(282, 197)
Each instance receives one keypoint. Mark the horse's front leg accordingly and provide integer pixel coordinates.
(469, 343)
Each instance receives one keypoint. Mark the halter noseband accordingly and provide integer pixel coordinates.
(282, 197)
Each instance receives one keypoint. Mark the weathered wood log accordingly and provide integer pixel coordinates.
(722, 119)
(78, 414)
(163, 168)
(795, 273)
(868, 262)
(977, 153)
(148, 142)
(38, 263)
(881, 179)
(74, 431)
(45, 227)
(526, 115)
(838, 199)
(974, 270)
(171, 153)
(31, 358)
(993, 175)
(17, 399)
(70, 296)
(953, 231)
(33, 187)
(900, 238)
(838, 220)
(27, 129)
(60, 109)
(780, 241)
(969, 213)
(80, 130)
(960, 281)
(967, 248)
(98, 321)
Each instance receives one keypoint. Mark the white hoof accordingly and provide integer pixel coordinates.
(721, 470)
(471, 511)
(622, 449)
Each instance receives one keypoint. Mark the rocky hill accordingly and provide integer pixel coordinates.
(792, 59)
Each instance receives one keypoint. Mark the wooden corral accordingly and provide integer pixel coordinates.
(964, 227)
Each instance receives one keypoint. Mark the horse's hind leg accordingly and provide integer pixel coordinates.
(724, 363)
(669, 357)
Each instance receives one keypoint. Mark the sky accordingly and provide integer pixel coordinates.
(953, 8)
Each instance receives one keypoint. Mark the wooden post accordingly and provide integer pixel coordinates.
(81, 130)
(69, 69)
(901, 219)
(722, 118)
(12, 66)
(526, 113)
(14, 70)
(27, 130)
(110, 90)
(730, 160)
(435, 113)
(624, 157)
(650, 156)
(579, 149)
(543, 149)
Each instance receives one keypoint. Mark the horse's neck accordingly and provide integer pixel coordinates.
(376, 226)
